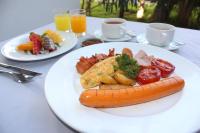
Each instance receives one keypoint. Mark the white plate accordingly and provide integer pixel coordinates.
(9, 49)
(99, 35)
(172, 46)
(178, 113)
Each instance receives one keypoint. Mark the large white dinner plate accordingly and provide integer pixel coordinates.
(9, 49)
(177, 113)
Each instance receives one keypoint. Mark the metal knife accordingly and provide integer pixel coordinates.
(20, 70)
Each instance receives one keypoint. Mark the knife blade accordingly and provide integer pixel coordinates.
(20, 70)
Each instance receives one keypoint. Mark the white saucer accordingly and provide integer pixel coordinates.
(172, 46)
(98, 34)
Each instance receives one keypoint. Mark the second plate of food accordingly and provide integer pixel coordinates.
(167, 114)
(35, 46)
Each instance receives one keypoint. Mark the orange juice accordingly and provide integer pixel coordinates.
(78, 23)
(62, 22)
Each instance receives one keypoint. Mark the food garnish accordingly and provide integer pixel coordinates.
(128, 65)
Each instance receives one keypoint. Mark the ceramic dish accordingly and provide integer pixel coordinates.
(9, 49)
(172, 46)
(98, 34)
(177, 113)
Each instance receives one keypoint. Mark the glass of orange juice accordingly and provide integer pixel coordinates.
(62, 20)
(78, 21)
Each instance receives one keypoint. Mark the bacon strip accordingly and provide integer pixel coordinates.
(86, 63)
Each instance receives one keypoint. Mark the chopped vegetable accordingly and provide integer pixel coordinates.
(128, 65)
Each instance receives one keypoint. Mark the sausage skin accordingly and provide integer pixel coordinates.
(109, 98)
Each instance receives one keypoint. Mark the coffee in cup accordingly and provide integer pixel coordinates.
(160, 34)
(113, 28)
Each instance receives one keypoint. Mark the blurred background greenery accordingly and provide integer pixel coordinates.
(181, 13)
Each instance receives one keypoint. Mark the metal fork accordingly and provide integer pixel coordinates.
(18, 77)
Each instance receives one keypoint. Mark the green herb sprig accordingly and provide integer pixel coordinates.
(128, 65)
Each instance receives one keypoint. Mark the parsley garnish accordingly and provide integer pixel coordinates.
(128, 65)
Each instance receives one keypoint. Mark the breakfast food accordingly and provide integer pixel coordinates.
(117, 80)
(40, 44)
(86, 63)
(98, 73)
(28, 46)
(104, 98)
(54, 36)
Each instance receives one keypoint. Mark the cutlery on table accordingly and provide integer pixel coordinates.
(20, 70)
(18, 77)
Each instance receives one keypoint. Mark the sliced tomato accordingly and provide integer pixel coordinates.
(148, 74)
(165, 67)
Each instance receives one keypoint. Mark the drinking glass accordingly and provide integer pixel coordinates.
(78, 21)
(62, 20)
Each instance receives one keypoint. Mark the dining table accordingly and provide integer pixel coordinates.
(24, 108)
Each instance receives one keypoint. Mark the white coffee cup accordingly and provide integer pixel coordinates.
(113, 28)
(160, 34)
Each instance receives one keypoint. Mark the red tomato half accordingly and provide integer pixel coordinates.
(148, 74)
(165, 67)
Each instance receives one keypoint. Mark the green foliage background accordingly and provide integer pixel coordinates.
(98, 10)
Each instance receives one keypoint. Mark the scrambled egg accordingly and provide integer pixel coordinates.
(92, 77)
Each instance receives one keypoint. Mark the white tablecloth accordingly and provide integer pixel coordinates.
(23, 107)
